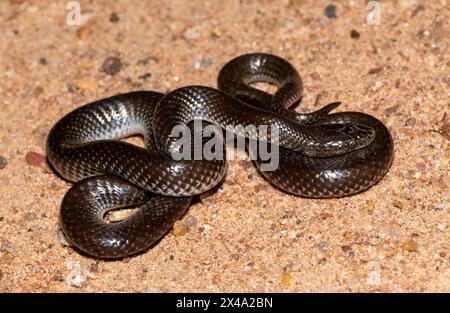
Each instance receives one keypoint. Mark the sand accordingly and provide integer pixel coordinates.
(247, 235)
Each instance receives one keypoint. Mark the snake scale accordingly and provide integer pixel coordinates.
(321, 154)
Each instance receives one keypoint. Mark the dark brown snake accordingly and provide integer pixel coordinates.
(321, 155)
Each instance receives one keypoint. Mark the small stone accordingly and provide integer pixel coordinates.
(410, 122)
(330, 11)
(38, 91)
(390, 110)
(292, 234)
(30, 216)
(408, 244)
(145, 76)
(347, 235)
(114, 18)
(354, 34)
(398, 204)
(191, 222)
(393, 231)
(180, 228)
(76, 277)
(43, 61)
(146, 61)
(58, 277)
(370, 207)
(112, 65)
(3, 162)
(325, 215)
(34, 158)
(84, 31)
(287, 280)
(346, 248)
(87, 84)
(203, 63)
(249, 266)
(375, 70)
(191, 33)
(77, 280)
(377, 85)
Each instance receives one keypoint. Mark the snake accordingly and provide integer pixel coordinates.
(321, 154)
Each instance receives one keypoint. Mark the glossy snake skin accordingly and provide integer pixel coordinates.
(322, 155)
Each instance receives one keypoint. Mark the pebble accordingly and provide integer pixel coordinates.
(398, 204)
(377, 85)
(30, 216)
(191, 33)
(112, 65)
(330, 11)
(347, 235)
(3, 162)
(408, 244)
(146, 61)
(180, 228)
(410, 122)
(393, 231)
(43, 61)
(145, 76)
(346, 248)
(38, 91)
(248, 267)
(325, 215)
(354, 34)
(114, 18)
(287, 280)
(84, 31)
(87, 84)
(203, 63)
(191, 222)
(375, 70)
(76, 280)
(34, 158)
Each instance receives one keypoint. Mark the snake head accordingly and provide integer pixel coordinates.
(338, 139)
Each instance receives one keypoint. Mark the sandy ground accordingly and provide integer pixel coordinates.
(247, 236)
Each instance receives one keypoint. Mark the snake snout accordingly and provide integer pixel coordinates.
(361, 135)
(338, 139)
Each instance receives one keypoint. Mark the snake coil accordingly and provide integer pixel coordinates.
(321, 154)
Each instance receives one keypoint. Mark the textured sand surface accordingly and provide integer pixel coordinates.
(246, 236)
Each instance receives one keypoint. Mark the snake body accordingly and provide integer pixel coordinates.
(321, 155)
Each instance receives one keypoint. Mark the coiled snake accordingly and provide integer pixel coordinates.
(321, 155)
